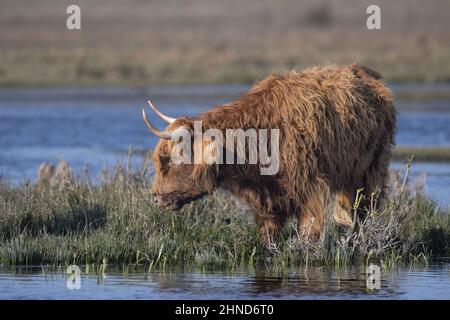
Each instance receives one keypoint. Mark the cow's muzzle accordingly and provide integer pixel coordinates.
(175, 203)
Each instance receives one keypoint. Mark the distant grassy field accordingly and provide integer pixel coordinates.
(112, 218)
(422, 154)
(206, 41)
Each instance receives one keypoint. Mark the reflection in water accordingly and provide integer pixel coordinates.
(314, 283)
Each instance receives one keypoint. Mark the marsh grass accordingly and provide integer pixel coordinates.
(216, 41)
(422, 154)
(111, 219)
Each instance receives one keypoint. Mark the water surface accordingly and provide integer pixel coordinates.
(93, 127)
(432, 282)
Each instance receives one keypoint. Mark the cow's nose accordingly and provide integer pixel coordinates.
(157, 199)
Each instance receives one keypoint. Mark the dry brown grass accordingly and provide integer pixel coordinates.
(200, 41)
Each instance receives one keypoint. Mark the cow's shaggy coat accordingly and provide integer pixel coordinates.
(337, 127)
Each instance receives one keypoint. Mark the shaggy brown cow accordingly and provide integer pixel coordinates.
(337, 127)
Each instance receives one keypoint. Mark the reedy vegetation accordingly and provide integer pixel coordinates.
(217, 41)
(112, 217)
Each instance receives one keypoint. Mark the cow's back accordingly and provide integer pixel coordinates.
(335, 120)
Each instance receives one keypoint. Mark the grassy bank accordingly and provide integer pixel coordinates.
(421, 154)
(112, 218)
(206, 41)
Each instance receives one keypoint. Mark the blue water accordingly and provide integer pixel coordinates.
(432, 282)
(93, 127)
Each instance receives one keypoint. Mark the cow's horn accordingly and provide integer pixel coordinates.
(167, 119)
(162, 134)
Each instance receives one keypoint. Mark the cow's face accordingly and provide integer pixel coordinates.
(176, 184)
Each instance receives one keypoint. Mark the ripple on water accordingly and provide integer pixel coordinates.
(315, 283)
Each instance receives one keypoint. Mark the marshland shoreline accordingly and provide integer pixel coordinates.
(114, 221)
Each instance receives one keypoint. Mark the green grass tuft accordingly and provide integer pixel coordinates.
(113, 219)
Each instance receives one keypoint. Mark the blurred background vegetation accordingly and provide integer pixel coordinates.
(139, 42)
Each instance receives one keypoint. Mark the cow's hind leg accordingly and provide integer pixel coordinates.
(343, 207)
(376, 179)
(311, 218)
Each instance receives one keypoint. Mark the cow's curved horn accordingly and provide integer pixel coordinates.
(167, 119)
(162, 134)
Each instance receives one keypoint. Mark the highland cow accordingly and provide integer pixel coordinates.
(337, 127)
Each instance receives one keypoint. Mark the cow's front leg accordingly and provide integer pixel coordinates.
(268, 228)
(268, 217)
